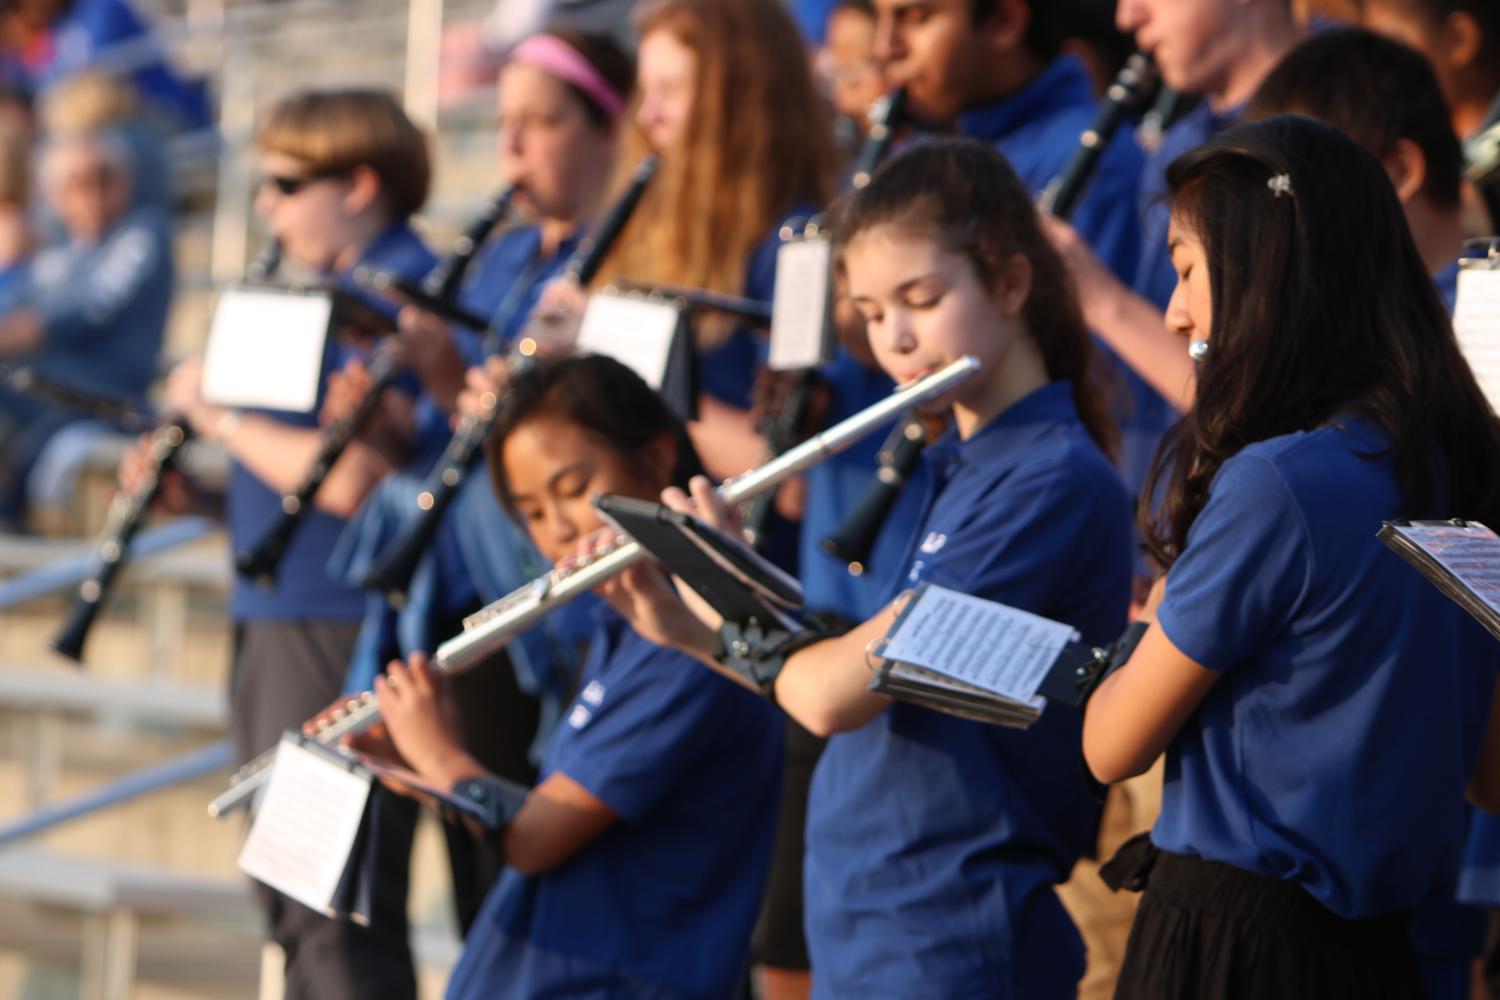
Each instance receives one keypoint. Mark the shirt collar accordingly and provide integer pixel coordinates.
(1019, 424)
(1063, 84)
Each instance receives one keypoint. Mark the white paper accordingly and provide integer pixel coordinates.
(1472, 554)
(800, 308)
(265, 349)
(636, 332)
(1000, 649)
(309, 816)
(1476, 320)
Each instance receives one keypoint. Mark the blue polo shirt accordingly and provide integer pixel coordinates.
(933, 842)
(1335, 749)
(304, 588)
(836, 485)
(505, 283)
(1037, 130)
(661, 904)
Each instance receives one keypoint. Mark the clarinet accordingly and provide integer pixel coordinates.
(884, 117)
(855, 538)
(392, 571)
(109, 409)
(127, 510)
(261, 561)
(488, 630)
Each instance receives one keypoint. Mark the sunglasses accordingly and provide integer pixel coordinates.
(287, 186)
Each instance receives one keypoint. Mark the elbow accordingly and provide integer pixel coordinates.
(1107, 759)
(530, 859)
(824, 721)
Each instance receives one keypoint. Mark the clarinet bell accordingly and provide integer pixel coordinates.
(70, 638)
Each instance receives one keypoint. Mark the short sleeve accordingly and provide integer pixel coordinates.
(630, 743)
(93, 300)
(1243, 571)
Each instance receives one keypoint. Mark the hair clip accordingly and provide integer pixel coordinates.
(1280, 185)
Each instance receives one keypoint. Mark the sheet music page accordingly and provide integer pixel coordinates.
(989, 645)
(309, 816)
(1476, 321)
(265, 349)
(1472, 554)
(800, 306)
(636, 332)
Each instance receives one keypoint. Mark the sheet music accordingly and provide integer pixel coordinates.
(800, 307)
(309, 816)
(265, 349)
(991, 646)
(1471, 553)
(1476, 321)
(636, 332)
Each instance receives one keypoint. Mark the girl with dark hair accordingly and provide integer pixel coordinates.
(635, 866)
(934, 843)
(1321, 707)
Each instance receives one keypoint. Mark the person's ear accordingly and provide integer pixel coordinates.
(363, 192)
(659, 457)
(1004, 28)
(1406, 166)
(1462, 40)
(1015, 284)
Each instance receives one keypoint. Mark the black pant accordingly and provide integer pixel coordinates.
(1206, 929)
(284, 673)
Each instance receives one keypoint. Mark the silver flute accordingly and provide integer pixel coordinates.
(487, 631)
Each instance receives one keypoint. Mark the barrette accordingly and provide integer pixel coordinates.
(1280, 185)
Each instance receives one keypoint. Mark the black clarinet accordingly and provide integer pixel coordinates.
(117, 410)
(392, 570)
(853, 542)
(884, 118)
(127, 511)
(261, 560)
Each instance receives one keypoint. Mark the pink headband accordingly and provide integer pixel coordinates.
(550, 53)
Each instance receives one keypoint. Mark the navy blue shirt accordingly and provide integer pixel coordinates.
(933, 842)
(103, 305)
(505, 282)
(1037, 130)
(304, 588)
(836, 485)
(662, 903)
(1335, 749)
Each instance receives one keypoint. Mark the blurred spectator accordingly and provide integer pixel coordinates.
(1090, 34)
(91, 311)
(847, 60)
(43, 42)
(94, 102)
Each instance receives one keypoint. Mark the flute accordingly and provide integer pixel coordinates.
(392, 570)
(127, 510)
(262, 559)
(488, 630)
(855, 538)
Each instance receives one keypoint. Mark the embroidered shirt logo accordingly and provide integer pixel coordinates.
(579, 717)
(933, 542)
(593, 694)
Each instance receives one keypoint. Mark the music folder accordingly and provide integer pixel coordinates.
(315, 838)
(1462, 558)
(731, 577)
(978, 659)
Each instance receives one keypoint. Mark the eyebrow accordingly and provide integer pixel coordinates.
(566, 470)
(905, 285)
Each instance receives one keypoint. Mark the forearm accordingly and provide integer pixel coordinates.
(726, 438)
(280, 456)
(20, 333)
(826, 686)
(1136, 330)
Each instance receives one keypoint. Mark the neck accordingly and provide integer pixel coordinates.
(1438, 233)
(554, 233)
(1005, 77)
(1017, 373)
(363, 232)
(1266, 42)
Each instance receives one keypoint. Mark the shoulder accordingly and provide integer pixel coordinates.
(1338, 459)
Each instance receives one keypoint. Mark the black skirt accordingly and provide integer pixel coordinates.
(1206, 929)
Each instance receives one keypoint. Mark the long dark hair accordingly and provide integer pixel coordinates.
(607, 400)
(967, 198)
(1322, 308)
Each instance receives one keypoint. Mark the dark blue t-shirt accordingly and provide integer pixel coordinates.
(662, 903)
(933, 842)
(304, 588)
(1335, 749)
(506, 282)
